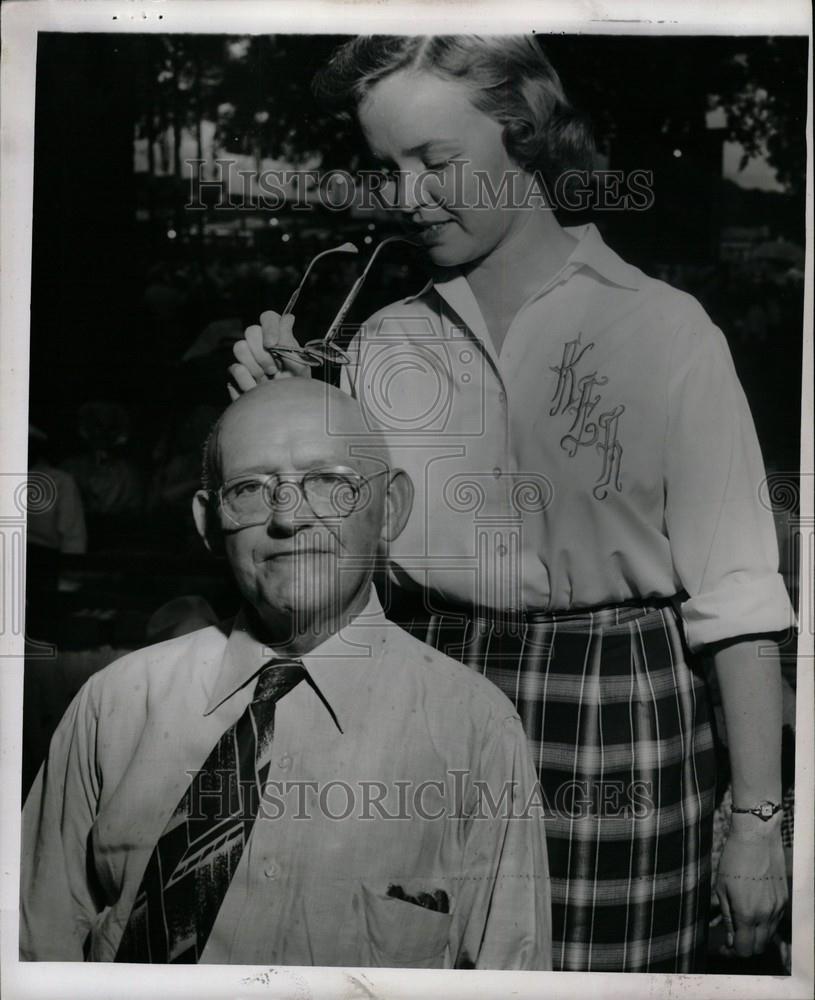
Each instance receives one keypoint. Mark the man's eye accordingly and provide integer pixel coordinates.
(328, 483)
(248, 488)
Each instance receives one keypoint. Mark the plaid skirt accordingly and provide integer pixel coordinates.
(618, 721)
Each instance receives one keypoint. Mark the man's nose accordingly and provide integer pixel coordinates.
(290, 510)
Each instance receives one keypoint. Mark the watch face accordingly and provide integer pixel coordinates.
(766, 810)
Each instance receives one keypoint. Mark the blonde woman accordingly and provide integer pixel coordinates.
(615, 397)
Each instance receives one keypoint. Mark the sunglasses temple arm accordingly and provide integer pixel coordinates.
(339, 319)
(296, 293)
(345, 248)
(294, 297)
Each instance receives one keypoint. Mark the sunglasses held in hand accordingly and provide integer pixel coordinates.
(318, 352)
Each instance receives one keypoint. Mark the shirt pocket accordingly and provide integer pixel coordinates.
(402, 934)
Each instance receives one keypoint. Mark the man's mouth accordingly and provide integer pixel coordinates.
(289, 553)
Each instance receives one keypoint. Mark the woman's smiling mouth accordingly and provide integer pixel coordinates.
(430, 232)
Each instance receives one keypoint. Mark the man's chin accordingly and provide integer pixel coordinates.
(301, 604)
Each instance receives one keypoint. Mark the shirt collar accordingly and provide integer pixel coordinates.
(422, 292)
(590, 251)
(593, 252)
(334, 667)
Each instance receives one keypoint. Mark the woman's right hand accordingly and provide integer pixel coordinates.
(254, 362)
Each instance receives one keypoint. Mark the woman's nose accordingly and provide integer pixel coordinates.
(409, 196)
(416, 190)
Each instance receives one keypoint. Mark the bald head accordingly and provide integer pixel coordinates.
(301, 415)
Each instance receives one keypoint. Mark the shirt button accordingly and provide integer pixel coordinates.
(272, 870)
(496, 472)
(285, 762)
(502, 397)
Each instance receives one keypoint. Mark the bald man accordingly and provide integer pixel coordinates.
(309, 786)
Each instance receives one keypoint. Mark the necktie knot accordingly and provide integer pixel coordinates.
(277, 678)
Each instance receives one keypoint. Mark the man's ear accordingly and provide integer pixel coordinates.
(206, 523)
(398, 504)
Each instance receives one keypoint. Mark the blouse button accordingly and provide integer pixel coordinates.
(285, 762)
(272, 870)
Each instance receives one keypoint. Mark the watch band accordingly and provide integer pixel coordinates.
(764, 810)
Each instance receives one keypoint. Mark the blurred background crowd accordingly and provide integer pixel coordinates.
(137, 297)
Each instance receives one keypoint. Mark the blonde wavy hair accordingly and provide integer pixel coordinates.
(509, 78)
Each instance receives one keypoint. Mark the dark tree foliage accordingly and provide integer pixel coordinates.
(257, 91)
(665, 86)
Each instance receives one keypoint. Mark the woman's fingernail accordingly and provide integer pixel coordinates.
(729, 940)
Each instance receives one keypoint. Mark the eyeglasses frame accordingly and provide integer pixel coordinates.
(296, 480)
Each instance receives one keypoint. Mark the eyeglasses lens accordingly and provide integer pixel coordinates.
(250, 501)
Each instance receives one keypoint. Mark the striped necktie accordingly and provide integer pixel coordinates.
(196, 856)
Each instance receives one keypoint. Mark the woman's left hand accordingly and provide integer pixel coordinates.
(752, 883)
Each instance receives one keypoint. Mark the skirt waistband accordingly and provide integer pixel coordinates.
(613, 614)
(407, 604)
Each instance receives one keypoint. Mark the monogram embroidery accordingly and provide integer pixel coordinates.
(612, 452)
(583, 409)
(575, 396)
(564, 393)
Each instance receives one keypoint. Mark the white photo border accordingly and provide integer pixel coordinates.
(21, 21)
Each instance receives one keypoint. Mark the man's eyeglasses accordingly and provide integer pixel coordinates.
(330, 493)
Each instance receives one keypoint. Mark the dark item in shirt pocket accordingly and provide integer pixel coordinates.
(437, 900)
(401, 933)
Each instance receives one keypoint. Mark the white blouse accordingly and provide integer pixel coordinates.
(606, 453)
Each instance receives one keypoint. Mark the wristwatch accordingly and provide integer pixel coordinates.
(764, 810)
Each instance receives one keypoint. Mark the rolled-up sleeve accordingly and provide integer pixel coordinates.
(722, 537)
(505, 875)
(56, 900)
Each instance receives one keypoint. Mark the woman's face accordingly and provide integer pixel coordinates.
(451, 161)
